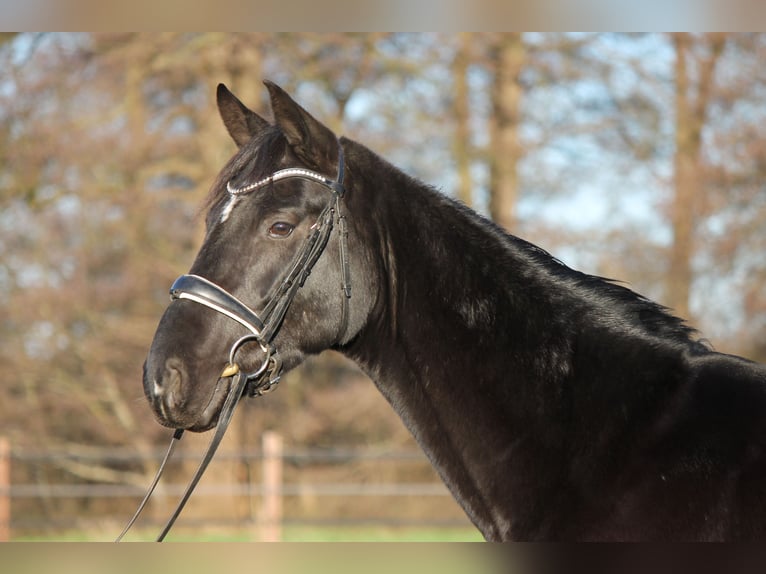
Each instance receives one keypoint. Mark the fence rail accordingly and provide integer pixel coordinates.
(266, 487)
(323, 489)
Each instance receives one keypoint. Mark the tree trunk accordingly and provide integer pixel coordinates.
(461, 111)
(691, 110)
(509, 57)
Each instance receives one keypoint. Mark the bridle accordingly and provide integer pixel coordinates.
(263, 327)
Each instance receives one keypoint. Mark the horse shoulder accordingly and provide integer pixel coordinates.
(699, 470)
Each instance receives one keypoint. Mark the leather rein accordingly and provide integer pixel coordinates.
(264, 326)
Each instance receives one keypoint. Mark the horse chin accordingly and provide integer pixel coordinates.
(209, 416)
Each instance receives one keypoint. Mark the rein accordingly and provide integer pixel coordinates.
(263, 327)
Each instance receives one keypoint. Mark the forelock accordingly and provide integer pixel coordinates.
(254, 160)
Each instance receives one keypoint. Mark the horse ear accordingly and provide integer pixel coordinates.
(311, 140)
(241, 122)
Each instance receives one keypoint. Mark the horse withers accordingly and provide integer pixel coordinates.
(555, 405)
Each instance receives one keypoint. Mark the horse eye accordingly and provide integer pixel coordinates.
(281, 229)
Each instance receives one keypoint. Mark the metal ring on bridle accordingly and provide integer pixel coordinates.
(248, 339)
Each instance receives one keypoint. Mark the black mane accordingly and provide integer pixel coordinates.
(616, 303)
(608, 303)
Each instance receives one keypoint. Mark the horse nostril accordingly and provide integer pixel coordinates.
(172, 380)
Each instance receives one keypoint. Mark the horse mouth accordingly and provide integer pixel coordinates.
(209, 416)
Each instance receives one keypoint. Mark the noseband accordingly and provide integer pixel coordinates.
(264, 326)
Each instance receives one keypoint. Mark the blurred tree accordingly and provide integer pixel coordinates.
(109, 142)
(99, 205)
(692, 102)
(731, 235)
(508, 55)
(462, 148)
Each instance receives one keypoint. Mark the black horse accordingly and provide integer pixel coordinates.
(555, 405)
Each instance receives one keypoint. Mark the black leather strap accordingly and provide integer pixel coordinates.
(171, 447)
(235, 393)
(200, 290)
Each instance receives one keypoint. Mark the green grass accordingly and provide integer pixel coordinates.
(380, 534)
(362, 533)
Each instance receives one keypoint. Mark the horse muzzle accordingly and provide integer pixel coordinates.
(169, 390)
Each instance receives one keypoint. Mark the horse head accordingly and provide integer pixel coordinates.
(280, 192)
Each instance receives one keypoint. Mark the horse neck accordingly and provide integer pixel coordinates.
(435, 343)
(493, 352)
(450, 284)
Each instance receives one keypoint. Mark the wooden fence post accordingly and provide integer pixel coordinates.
(271, 512)
(5, 489)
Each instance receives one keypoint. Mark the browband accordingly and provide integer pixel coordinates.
(335, 185)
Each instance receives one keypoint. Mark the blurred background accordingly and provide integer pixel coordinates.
(639, 157)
